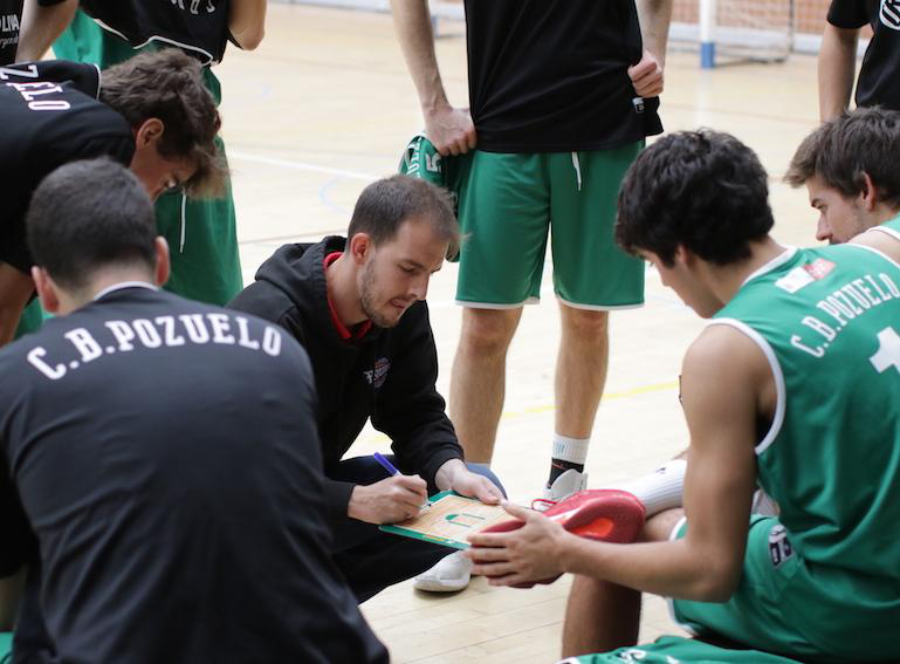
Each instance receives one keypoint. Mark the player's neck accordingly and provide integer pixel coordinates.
(73, 299)
(727, 280)
(884, 213)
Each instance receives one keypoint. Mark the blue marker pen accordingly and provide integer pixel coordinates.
(388, 466)
(384, 463)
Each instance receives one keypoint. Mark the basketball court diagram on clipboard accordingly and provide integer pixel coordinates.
(450, 520)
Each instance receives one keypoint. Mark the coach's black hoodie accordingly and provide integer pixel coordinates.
(388, 374)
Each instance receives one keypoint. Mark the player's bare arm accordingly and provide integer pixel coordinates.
(41, 26)
(648, 75)
(883, 242)
(247, 22)
(723, 382)
(15, 289)
(450, 130)
(837, 65)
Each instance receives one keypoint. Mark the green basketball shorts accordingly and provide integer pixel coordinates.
(510, 204)
(785, 604)
(677, 650)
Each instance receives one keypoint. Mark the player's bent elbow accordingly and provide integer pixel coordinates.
(717, 584)
(249, 40)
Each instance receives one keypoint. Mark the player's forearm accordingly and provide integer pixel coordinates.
(671, 569)
(655, 16)
(41, 26)
(412, 22)
(837, 65)
(247, 22)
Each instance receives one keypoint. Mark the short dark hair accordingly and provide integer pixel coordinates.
(384, 205)
(88, 215)
(168, 85)
(704, 190)
(841, 150)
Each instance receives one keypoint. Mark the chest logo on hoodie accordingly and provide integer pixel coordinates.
(378, 375)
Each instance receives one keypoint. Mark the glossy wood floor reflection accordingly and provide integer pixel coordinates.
(324, 106)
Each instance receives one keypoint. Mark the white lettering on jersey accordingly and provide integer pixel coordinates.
(31, 90)
(147, 333)
(85, 344)
(843, 306)
(27, 71)
(244, 338)
(195, 6)
(271, 344)
(160, 332)
(890, 14)
(220, 327)
(9, 23)
(123, 334)
(196, 328)
(53, 373)
(168, 324)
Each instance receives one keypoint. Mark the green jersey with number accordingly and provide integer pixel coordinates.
(828, 321)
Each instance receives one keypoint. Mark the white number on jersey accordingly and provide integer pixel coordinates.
(888, 354)
(26, 72)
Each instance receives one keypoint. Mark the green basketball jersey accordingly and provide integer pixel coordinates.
(828, 321)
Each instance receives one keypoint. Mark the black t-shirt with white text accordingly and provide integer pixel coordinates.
(10, 21)
(199, 27)
(50, 116)
(879, 77)
(552, 75)
(165, 455)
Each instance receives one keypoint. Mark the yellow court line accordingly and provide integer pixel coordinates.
(378, 437)
(633, 392)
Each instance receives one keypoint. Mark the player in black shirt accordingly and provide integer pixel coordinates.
(562, 95)
(152, 113)
(161, 458)
(877, 84)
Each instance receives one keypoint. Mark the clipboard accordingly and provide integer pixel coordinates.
(449, 521)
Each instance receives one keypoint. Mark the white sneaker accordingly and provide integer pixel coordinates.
(449, 575)
(570, 482)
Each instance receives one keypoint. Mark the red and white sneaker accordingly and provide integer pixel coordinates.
(605, 515)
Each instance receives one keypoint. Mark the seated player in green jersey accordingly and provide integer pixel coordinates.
(849, 167)
(793, 387)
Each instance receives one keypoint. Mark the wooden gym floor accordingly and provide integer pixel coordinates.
(323, 107)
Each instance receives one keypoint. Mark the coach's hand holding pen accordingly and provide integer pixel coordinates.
(391, 500)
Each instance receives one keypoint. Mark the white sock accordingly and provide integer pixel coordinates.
(661, 490)
(573, 450)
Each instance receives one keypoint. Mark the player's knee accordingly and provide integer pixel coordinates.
(487, 331)
(586, 323)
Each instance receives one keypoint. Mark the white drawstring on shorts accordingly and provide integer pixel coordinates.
(577, 165)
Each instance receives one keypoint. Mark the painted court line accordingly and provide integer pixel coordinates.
(301, 166)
